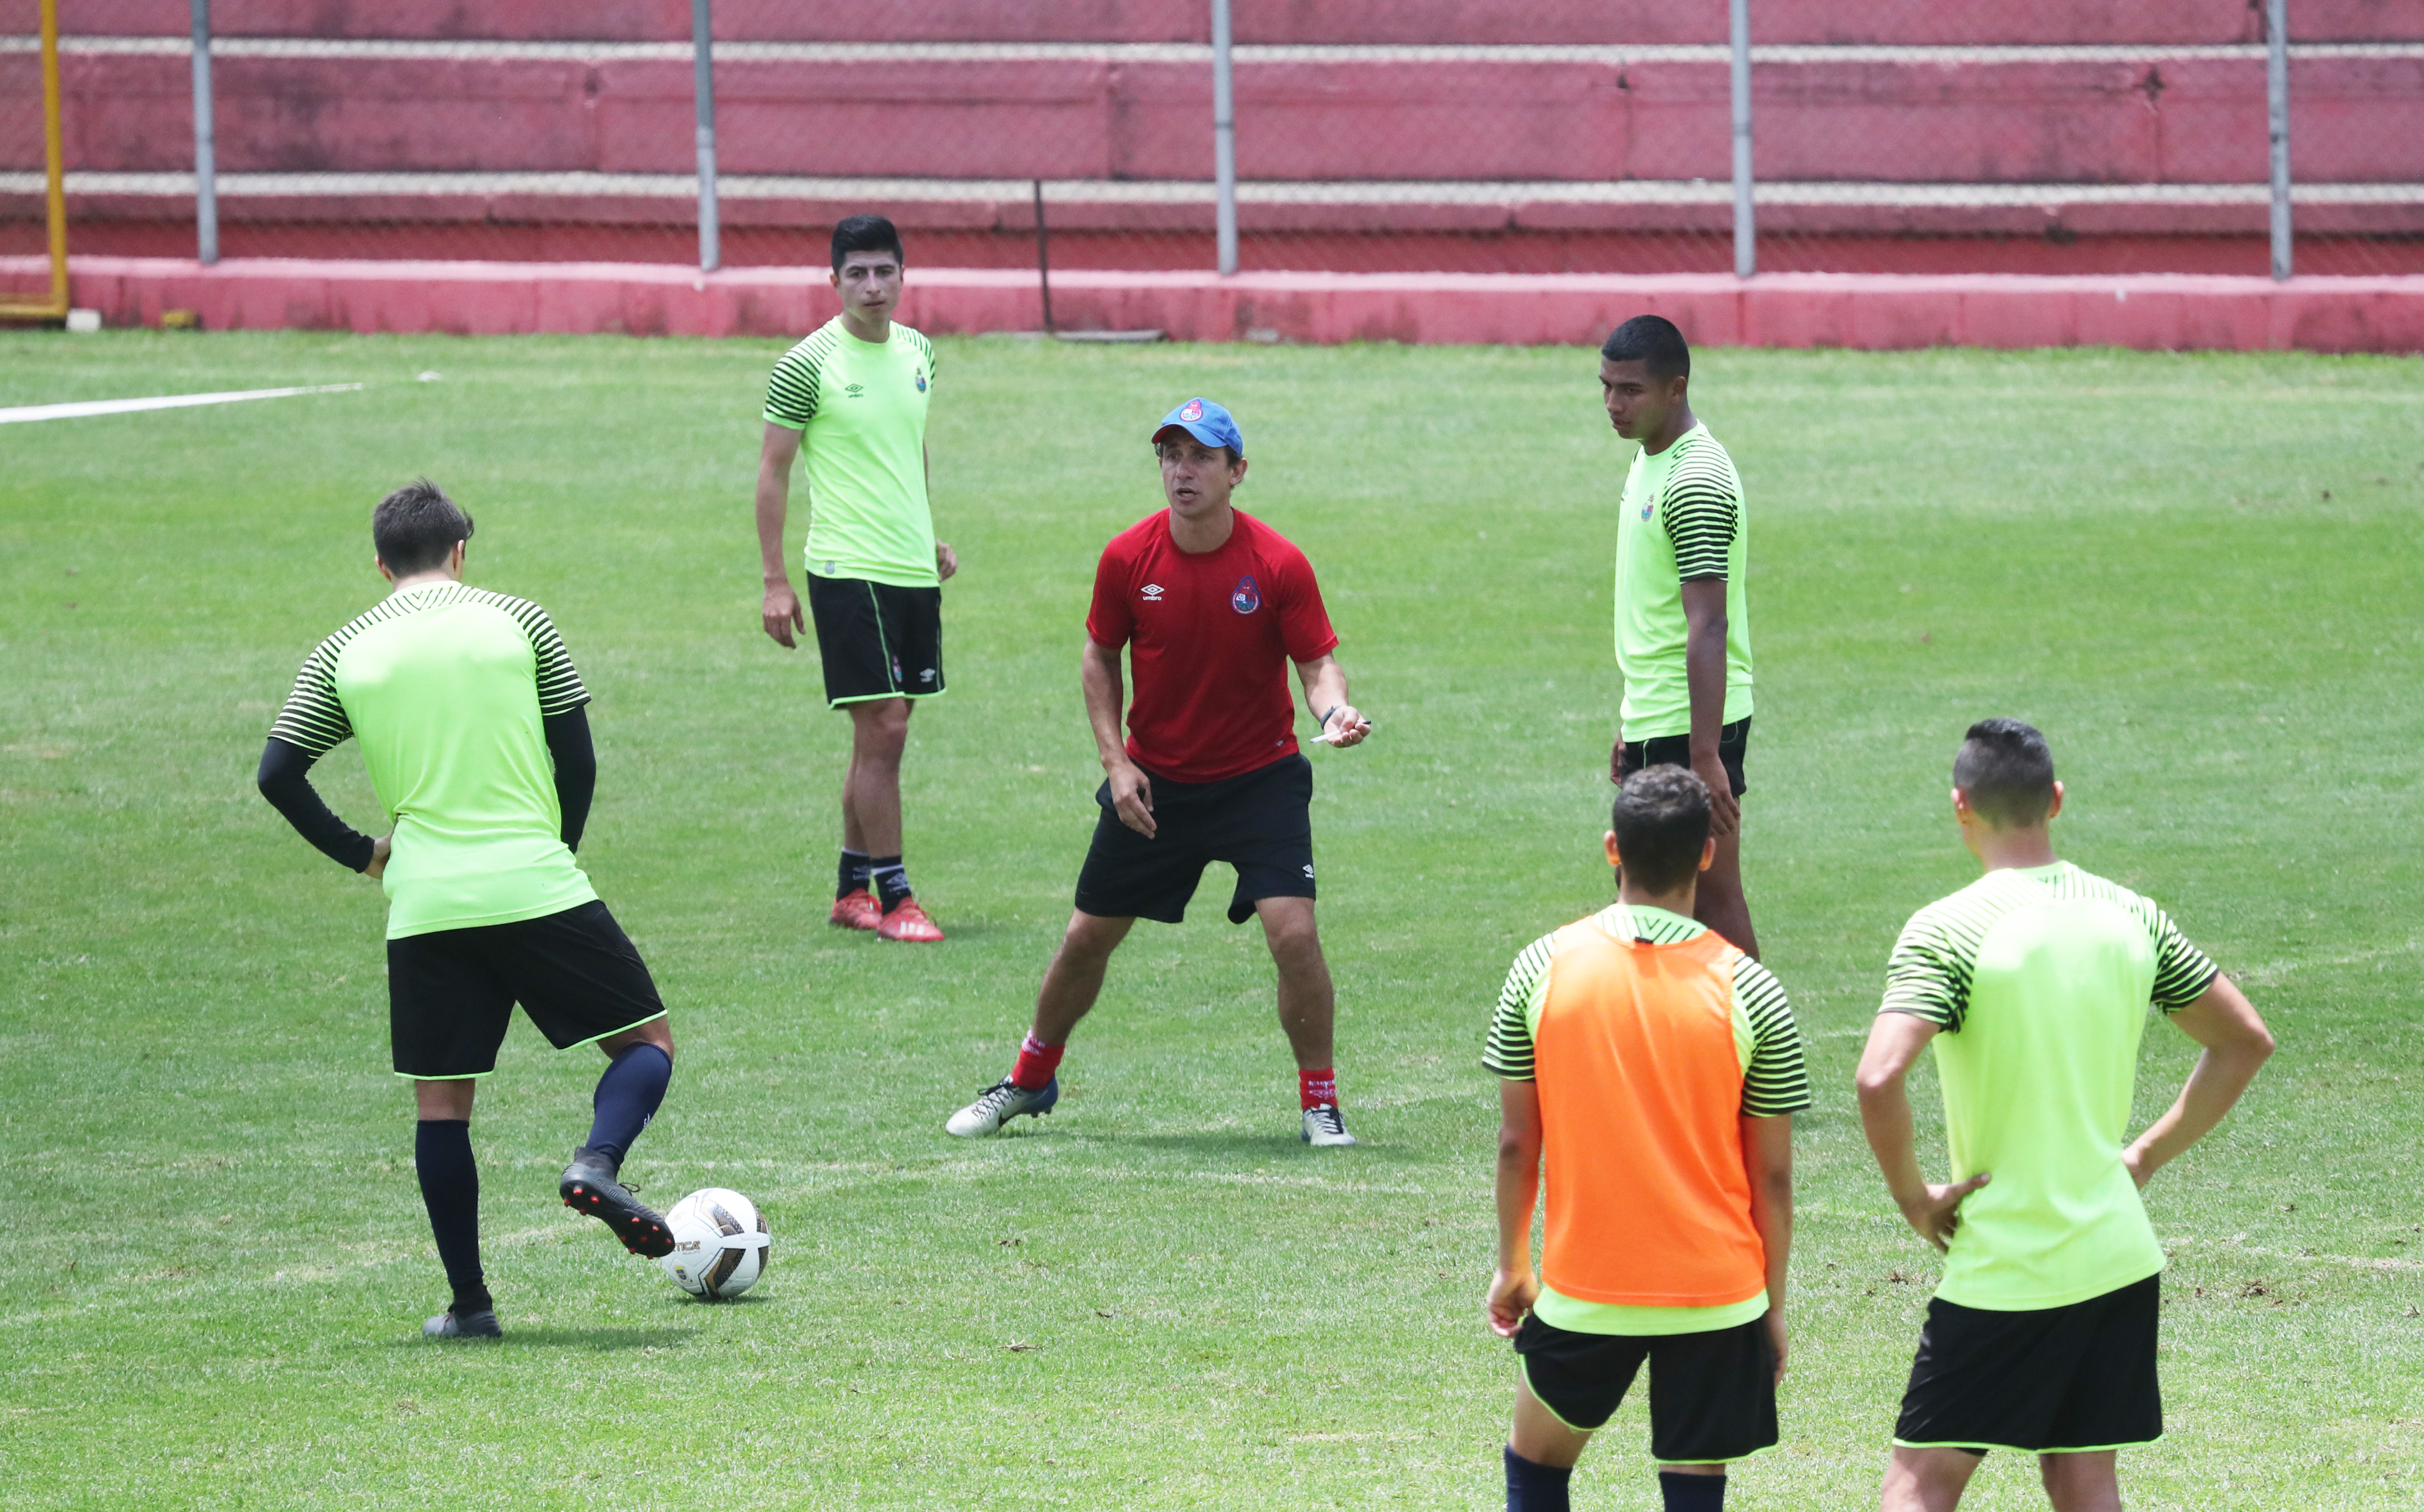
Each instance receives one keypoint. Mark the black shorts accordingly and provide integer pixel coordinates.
(450, 993)
(878, 641)
(2050, 1381)
(1711, 1395)
(1676, 751)
(1260, 822)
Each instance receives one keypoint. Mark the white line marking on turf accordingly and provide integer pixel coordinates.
(174, 400)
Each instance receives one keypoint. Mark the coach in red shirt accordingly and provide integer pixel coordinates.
(1212, 605)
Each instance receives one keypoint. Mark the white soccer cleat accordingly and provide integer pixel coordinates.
(1324, 1126)
(1004, 1101)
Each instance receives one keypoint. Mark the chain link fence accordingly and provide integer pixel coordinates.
(1485, 135)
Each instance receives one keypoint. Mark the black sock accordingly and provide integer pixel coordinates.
(853, 875)
(1692, 1494)
(1532, 1488)
(449, 1188)
(628, 1096)
(891, 881)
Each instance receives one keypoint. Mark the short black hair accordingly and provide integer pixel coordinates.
(415, 527)
(1662, 826)
(2005, 769)
(1234, 455)
(866, 233)
(1654, 341)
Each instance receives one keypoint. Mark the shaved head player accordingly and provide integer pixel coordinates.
(1213, 606)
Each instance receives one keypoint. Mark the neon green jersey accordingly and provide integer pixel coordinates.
(2040, 978)
(860, 409)
(1682, 519)
(445, 687)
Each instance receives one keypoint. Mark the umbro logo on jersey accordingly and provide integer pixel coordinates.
(856, 389)
(1153, 593)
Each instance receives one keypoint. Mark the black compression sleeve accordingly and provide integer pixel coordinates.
(576, 769)
(285, 780)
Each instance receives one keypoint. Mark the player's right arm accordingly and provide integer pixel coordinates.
(313, 724)
(1131, 790)
(1514, 1286)
(775, 454)
(1895, 1041)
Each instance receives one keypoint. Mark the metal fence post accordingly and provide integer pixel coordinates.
(206, 168)
(1745, 232)
(2276, 95)
(1224, 141)
(703, 75)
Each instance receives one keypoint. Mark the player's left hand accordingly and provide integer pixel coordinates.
(946, 559)
(2134, 1160)
(380, 849)
(1725, 809)
(1511, 1296)
(1345, 726)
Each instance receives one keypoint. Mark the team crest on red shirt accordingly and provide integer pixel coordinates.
(1246, 598)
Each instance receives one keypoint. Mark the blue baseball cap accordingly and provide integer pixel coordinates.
(1207, 423)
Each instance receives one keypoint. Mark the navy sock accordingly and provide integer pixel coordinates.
(627, 1098)
(1692, 1494)
(449, 1188)
(891, 881)
(853, 875)
(1532, 1488)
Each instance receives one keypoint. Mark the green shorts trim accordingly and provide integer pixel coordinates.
(2083, 1449)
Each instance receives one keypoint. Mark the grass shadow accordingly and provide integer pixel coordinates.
(598, 1341)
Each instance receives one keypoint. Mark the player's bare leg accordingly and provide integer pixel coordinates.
(1927, 1480)
(2089, 1482)
(1720, 903)
(871, 794)
(870, 824)
(1070, 984)
(1308, 1007)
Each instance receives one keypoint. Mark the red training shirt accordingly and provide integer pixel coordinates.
(1209, 638)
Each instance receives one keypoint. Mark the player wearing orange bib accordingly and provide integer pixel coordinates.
(1657, 1070)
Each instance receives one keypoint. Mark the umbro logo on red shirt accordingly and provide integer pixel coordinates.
(1153, 593)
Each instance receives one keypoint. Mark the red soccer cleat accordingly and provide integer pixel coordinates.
(908, 922)
(857, 910)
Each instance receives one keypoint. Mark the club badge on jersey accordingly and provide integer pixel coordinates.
(1245, 599)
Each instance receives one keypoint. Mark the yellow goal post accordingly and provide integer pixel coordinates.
(54, 160)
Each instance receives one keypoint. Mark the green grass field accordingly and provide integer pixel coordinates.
(2199, 574)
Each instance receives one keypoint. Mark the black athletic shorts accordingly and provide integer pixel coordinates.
(1676, 751)
(1711, 1395)
(878, 641)
(2050, 1380)
(450, 993)
(1260, 822)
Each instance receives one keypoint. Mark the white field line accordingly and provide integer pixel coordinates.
(176, 401)
(1612, 54)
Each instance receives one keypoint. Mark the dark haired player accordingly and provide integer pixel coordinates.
(1212, 605)
(854, 396)
(1657, 1068)
(2032, 984)
(1683, 618)
(471, 722)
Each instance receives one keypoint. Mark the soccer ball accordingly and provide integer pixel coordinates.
(721, 1244)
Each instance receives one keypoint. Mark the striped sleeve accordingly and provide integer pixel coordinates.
(1508, 1051)
(2182, 972)
(560, 687)
(1777, 1080)
(314, 720)
(792, 390)
(927, 348)
(1929, 972)
(1703, 512)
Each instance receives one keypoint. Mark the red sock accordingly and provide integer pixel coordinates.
(1318, 1088)
(1037, 1061)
